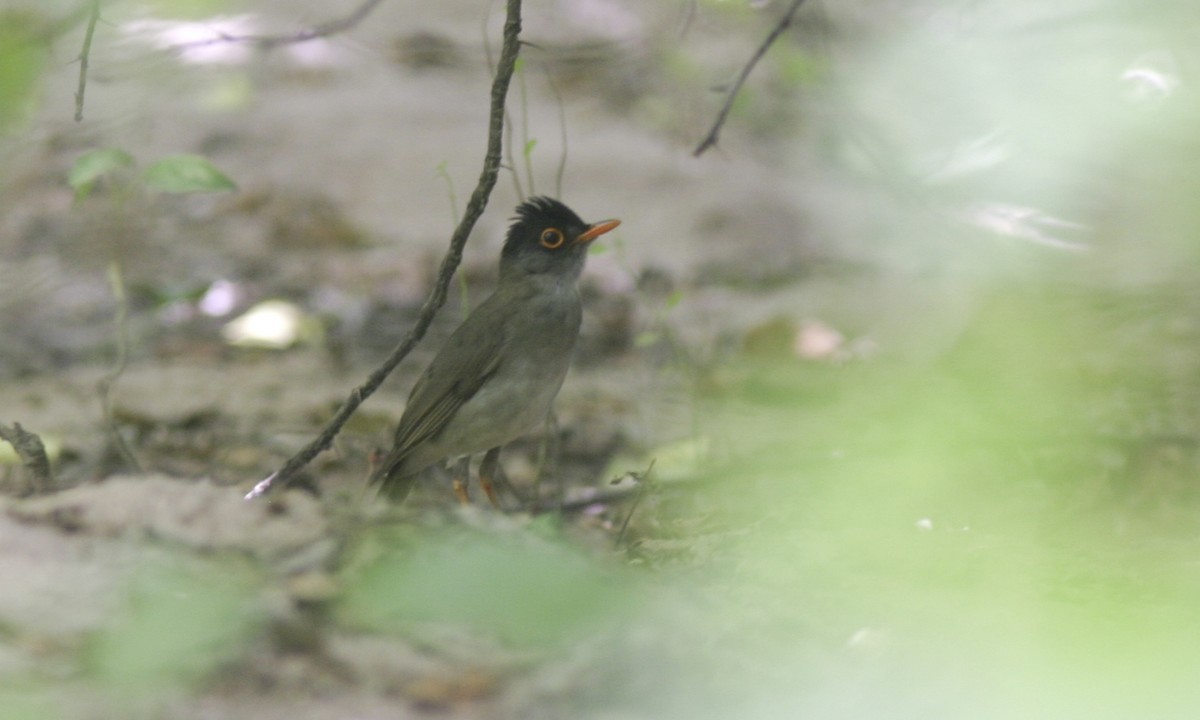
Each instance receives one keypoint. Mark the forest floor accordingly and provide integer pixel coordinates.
(796, 470)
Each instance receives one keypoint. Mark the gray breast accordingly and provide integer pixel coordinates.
(516, 399)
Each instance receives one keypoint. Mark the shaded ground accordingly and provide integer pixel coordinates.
(910, 456)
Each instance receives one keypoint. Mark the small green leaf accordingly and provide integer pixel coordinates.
(525, 590)
(645, 339)
(674, 299)
(186, 174)
(529, 146)
(93, 165)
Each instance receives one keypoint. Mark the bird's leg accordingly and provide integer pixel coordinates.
(487, 473)
(459, 474)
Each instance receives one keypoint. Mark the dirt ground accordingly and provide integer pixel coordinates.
(155, 591)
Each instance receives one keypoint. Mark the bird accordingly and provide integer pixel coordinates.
(496, 377)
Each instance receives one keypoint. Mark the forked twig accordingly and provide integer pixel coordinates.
(715, 132)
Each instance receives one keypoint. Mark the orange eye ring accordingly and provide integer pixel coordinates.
(552, 238)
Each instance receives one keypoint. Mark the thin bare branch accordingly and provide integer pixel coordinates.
(264, 42)
(437, 297)
(780, 27)
(511, 164)
(268, 42)
(84, 54)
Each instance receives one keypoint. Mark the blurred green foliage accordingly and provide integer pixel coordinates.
(978, 533)
(22, 56)
(28, 704)
(179, 622)
(518, 588)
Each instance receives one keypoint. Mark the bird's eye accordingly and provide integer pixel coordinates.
(552, 238)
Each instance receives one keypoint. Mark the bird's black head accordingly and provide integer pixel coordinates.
(548, 237)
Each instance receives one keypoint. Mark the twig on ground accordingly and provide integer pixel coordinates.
(715, 132)
(105, 385)
(84, 54)
(643, 483)
(437, 297)
(32, 452)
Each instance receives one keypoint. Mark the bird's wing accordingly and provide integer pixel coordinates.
(471, 355)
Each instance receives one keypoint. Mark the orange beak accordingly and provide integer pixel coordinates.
(595, 230)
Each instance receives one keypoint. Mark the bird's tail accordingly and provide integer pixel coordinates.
(391, 479)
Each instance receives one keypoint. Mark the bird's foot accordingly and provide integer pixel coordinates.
(489, 489)
(460, 491)
(487, 473)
